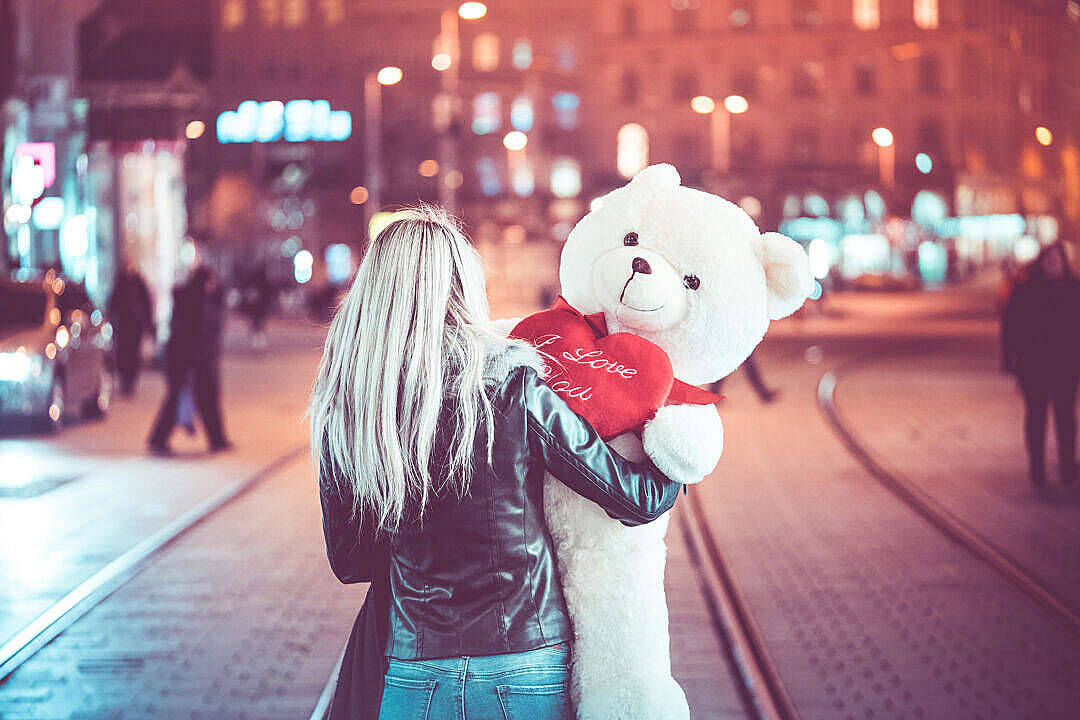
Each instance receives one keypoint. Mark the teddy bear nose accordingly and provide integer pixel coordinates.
(641, 265)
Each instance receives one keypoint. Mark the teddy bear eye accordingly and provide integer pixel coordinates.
(692, 282)
(630, 239)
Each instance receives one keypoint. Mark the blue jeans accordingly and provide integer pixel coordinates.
(530, 685)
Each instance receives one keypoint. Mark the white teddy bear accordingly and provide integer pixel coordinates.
(691, 273)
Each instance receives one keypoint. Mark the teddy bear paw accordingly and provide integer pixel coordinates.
(684, 441)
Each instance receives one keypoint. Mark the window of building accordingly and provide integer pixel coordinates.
(684, 15)
(866, 14)
(521, 113)
(565, 177)
(270, 12)
(931, 138)
(521, 56)
(925, 13)
(865, 79)
(295, 12)
(742, 14)
(565, 56)
(488, 174)
(566, 106)
(628, 20)
(806, 81)
(745, 82)
(632, 154)
(805, 13)
(232, 13)
(684, 86)
(333, 11)
(929, 74)
(486, 113)
(804, 146)
(485, 52)
(630, 87)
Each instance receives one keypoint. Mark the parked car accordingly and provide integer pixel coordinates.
(55, 352)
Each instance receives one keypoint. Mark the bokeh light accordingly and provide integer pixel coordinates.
(359, 195)
(1043, 135)
(195, 129)
(882, 137)
(389, 75)
(441, 61)
(736, 104)
(428, 168)
(515, 140)
(703, 104)
(472, 10)
(924, 163)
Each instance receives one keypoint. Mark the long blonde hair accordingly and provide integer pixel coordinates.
(412, 333)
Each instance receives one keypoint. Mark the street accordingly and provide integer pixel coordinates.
(866, 604)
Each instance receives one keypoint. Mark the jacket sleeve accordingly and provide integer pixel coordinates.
(572, 451)
(352, 555)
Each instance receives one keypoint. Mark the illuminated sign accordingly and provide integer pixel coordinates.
(44, 156)
(294, 121)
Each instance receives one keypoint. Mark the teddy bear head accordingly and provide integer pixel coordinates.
(684, 269)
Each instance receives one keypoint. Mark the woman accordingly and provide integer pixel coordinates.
(434, 433)
(1041, 346)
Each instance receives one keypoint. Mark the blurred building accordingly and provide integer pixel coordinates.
(439, 134)
(961, 91)
(44, 198)
(143, 68)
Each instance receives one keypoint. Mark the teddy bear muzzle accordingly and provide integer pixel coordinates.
(640, 289)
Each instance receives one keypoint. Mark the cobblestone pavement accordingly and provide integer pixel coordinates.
(952, 424)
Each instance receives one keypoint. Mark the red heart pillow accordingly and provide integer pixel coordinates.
(616, 382)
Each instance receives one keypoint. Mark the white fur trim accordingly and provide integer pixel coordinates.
(657, 177)
(685, 441)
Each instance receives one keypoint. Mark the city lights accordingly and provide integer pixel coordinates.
(359, 195)
(703, 104)
(882, 137)
(295, 121)
(389, 75)
(515, 140)
(924, 163)
(302, 263)
(820, 258)
(454, 179)
(428, 168)
(1043, 135)
(632, 149)
(441, 61)
(49, 213)
(736, 104)
(472, 10)
(18, 214)
(195, 129)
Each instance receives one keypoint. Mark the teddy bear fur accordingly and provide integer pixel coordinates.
(613, 575)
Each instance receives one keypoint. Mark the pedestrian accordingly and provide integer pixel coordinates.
(1040, 332)
(256, 299)
(193, 356)
(131, 315)
(764, 392)
(432, 432)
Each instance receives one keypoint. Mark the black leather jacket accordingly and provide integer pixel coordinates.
(478, 576)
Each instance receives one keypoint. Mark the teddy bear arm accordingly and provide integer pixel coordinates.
(685, 441)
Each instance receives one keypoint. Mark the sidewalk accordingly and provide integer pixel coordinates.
(867, 610)
(953, 425)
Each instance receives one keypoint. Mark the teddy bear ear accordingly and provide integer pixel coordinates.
(787, 273)
(656, 177)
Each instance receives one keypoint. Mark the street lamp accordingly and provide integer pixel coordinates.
(446, 60)
(883, 138)
(720, 125)
(373, 84)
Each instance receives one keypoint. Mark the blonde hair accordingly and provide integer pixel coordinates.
(412, 333)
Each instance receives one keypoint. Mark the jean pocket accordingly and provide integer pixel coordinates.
(535, 702)
(406, 699)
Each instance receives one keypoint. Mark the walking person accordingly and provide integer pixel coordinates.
(1041, 346)
(193, 357)
(432, 434)
(131, 315)
(257, 297)
(764, 392)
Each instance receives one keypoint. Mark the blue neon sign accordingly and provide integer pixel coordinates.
(294, 121)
